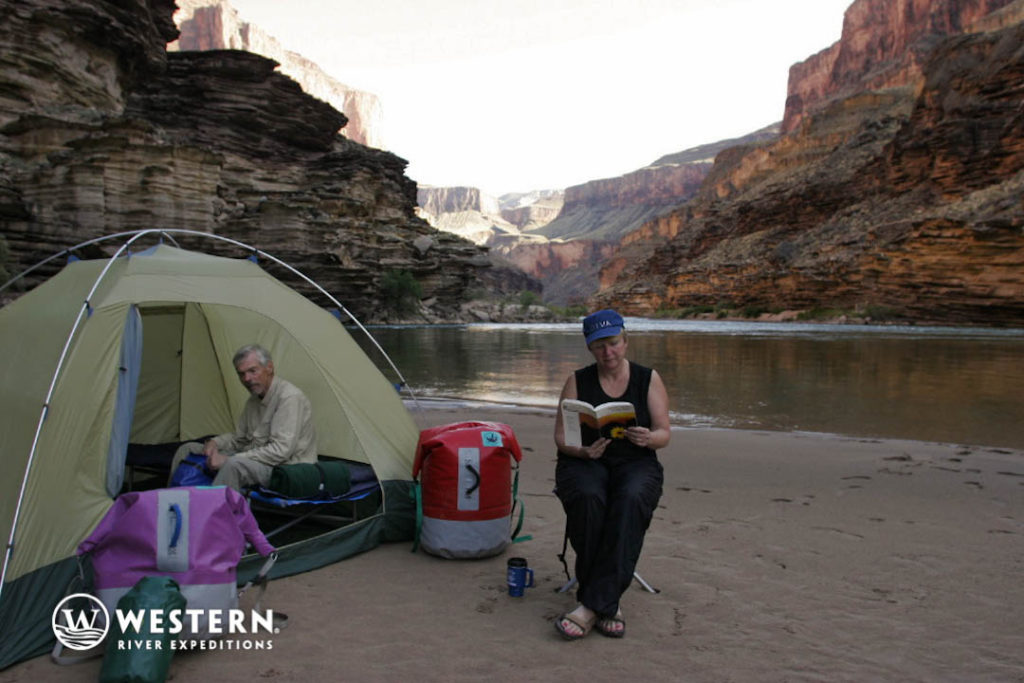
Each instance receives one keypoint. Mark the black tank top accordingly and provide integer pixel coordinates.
(588, 388)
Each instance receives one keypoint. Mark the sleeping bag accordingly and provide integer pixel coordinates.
(326, 478)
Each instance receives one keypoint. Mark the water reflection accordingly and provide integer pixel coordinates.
(960, 387)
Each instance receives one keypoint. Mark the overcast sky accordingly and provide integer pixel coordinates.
(517, 95)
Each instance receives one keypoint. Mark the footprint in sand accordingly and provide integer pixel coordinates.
(808, 496)
(856, 477)
(839, 532)
(887, 470)
(486, 606)
(678, 617)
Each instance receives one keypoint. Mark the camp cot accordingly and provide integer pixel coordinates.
(137, 349)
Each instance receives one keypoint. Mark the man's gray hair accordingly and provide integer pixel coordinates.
(248, 349)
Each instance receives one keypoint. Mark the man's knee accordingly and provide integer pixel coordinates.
(234, 474)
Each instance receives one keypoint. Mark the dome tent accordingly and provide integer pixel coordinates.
(137, 348)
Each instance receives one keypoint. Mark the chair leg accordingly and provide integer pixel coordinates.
(571, 583)
(567, 587)
(642, 582)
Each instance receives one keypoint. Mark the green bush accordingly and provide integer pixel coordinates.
(820, 314)
(400, 292)
(528, 298)
(692, 311)
(664, 312)
(880, 313)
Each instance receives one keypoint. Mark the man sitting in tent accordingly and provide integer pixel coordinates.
(275, 428)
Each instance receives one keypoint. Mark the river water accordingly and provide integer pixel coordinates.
(957, 385)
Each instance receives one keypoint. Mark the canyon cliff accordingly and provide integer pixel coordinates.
(216, 25)
(884, 44)
(607, 209)
(485, 219)
(597, 214)
(562, 238)
(103, 130)
(897, 190)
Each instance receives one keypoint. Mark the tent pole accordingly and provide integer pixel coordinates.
(135, 235)
(46, 404)
(64, 252)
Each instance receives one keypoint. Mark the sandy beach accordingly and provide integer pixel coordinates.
(778, 556)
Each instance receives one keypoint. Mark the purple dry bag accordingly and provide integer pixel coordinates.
(195, 535)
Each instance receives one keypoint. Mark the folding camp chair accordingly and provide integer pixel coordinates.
(571, 580)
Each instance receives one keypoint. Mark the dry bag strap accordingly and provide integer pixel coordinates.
(516, 500)
(417, 495)
(262, 579)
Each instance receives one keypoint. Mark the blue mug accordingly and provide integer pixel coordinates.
(518, 571)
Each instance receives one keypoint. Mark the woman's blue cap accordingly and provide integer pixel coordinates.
(606, 323)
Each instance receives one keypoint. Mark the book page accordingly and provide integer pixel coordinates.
(583, 424)
(572, 420)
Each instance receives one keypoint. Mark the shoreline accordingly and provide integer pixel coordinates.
(490, 313)
(450, 404)
(888, 560)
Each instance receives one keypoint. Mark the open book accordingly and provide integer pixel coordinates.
(583, 423)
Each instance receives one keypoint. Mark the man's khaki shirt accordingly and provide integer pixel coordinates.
(274, 430)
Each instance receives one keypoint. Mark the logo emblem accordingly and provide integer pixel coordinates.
(80, 621)
(492, 439)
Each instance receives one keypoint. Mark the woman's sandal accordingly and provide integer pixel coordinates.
(613, 627)
(584, 626)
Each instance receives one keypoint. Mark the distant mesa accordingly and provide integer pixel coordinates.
(563, 237)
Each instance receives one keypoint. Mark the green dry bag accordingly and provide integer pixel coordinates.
(143, 655)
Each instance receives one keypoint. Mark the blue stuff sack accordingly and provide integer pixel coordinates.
(192, 472)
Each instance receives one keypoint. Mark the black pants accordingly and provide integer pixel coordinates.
(608, 504)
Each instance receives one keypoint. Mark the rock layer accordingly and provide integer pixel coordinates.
(884, 44)
(905, 201)
(216, 25)
(123, 135)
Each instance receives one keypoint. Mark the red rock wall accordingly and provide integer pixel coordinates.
(883, 44)
(651, 185)
(111, 133)
(907, 199)
(216, 25)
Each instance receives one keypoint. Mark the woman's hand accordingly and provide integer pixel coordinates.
(596, 449)
(639, 436)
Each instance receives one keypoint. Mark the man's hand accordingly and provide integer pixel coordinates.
(214, 458)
